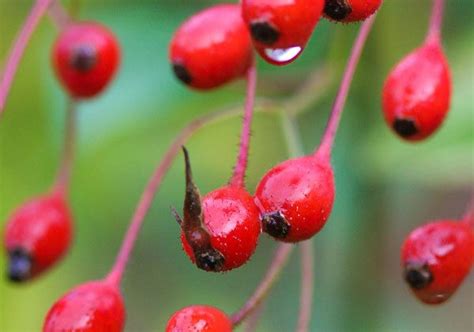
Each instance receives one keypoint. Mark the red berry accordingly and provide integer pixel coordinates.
(85, 57)
(91, 307)
(295, 198)
(37, 235)
(221, 232)
(350, 10)
(280, 29)
(199, 318)
(436, 258)
(211, 48)
(417, 93)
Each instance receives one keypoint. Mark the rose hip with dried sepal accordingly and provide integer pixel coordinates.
(350, 10)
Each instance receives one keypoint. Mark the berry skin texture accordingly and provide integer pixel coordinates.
(436, 258)
(91, 307)
(277, 26)
(85, 57)
(199, 318)
(37, 235)
(350, 10)
(211, 48)
(417, 93)
(295, 198)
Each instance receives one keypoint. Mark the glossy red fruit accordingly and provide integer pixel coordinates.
(199, 318)
(417, 93)
(91, 307)
(85, 58)
(37, 235)
(280, 29)
(211, 48)
(436, 258)
(295, 198)
(350, 10)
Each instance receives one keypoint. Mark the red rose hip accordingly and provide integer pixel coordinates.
(199, 318)
(350, 10)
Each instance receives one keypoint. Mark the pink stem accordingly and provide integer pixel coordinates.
(436, 20)
(468, 216)
(64, 172)
(18, 49)
(251, 323)
(325, 148)
(307, 279)
(59, 15)
(281, 256)
(241, 165)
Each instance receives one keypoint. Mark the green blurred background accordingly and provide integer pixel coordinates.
(385, 187)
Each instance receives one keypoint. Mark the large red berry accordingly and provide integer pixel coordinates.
(350, 10)
(280, 29)
(211, 48)
(436, 258)
(417, 93)
(295, 198)
(85, 58)
(91, 307)
(199, 318)
(37, 235)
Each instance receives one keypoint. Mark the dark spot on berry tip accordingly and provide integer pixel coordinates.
(264, 32)
(275, 224)
(418, 276)
(337, 9)
(19, 265)
(83, 58)
(405, 127)
(182, 73)
(209, 260)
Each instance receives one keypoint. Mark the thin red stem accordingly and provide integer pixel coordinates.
(281, 257)
(19, 47)
(251, 323)
(327, 141)
(307, 280)
(436, 20)
(241, 164)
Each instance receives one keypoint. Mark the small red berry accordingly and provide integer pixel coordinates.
(221, 232)
(436, 258)
(350, 10)
(37, 235)
(91, 307)
(199, 318)
(280, 29)
(85, 58)
(417, 93)
(211, 48)
(295, 198)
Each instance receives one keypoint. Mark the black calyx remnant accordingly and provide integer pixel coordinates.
(275, 224)
(209, 260)
(405, 127)
(264, 32)
(20, 265)
(337, 9)
(417, 275)
(182, 73)
(83, 58)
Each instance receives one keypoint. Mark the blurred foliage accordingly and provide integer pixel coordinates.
(385, 187)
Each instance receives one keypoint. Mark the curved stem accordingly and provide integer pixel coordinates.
(64, 172)
(327, 141)
(253, 319)
(18, 48)
(436, 20)
(59, 15)
(307, 278)
(281, 257)
(241, 164)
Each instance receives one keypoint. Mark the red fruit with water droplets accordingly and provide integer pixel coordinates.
(350, 10)
(85, 57)
(280, 29)
(436, 258)
(37, 235)
(199, 318)
(295, 198)
(417, 93)
(91, 307)
(211, 48)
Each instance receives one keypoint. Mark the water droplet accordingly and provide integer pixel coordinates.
(283, 55)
